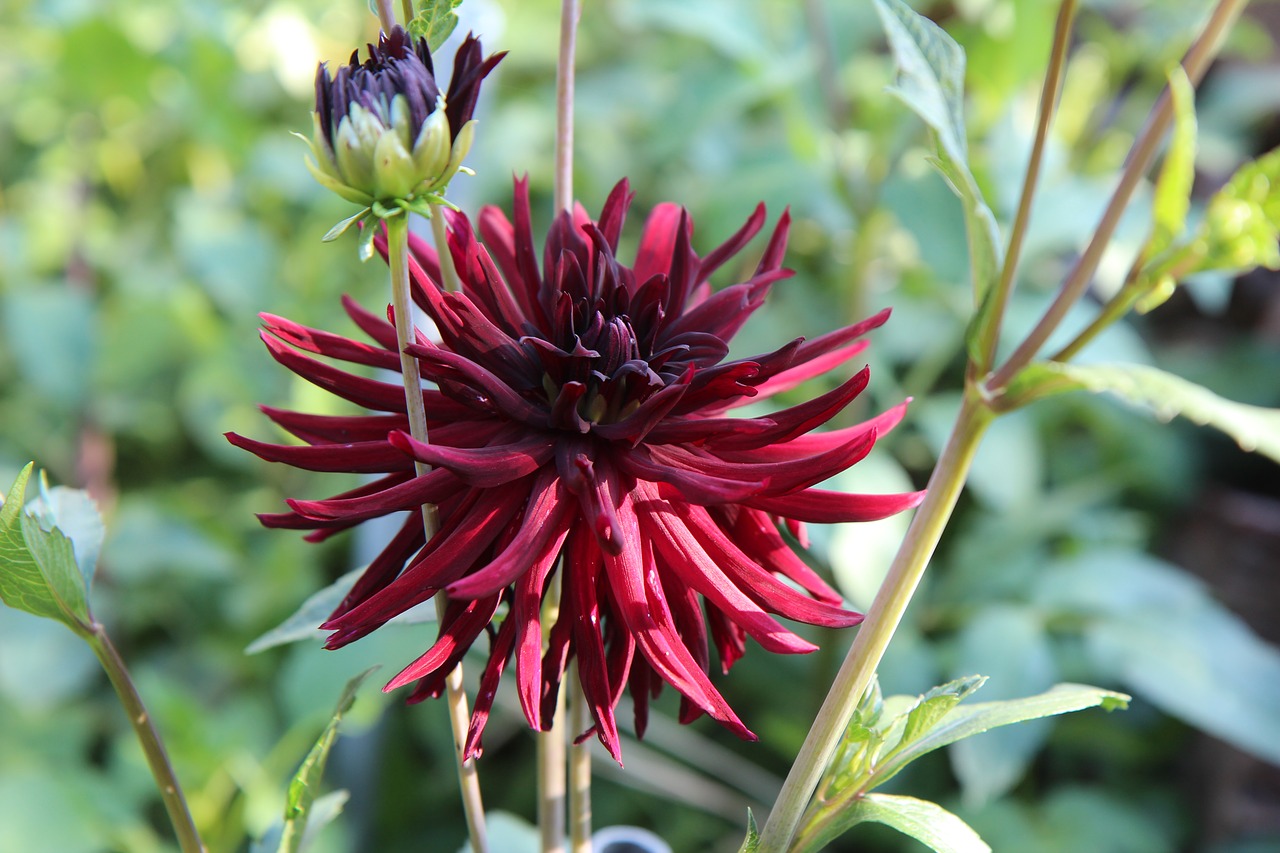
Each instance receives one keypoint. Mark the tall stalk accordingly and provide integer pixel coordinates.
(455, 694)
(553, 758)
(976, 412)
(175, 803)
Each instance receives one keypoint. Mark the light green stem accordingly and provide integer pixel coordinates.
(579, 767)
(386, 15)
(152, 746)
(1195, 63)
(448, 273)
(1017, 235)
(455, 694)
(877, 629)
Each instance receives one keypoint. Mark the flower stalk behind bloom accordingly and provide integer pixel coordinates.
(581, 427)
(384, 135)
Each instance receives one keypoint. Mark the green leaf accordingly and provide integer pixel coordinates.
(1255, 429)
(1160, 632)
(969, 720)
(1242, 222)
(928, 823)
(74, 513)
(305, 621)
(936, 704)
(1172, 199)
(304, 624)
(302, 790)
(990, 766)
(435, 21)
(38, 572)
(751, 843)
(931, 82)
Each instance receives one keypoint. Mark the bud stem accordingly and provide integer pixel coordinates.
(152, 746)
(455, 694)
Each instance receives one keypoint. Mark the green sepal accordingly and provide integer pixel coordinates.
(341, 228)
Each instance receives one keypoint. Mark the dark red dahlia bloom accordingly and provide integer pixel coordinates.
(580, 424)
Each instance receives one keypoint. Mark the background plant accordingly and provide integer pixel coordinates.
(152, 204)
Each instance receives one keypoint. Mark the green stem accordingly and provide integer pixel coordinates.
(386, 15)
(570, 12)
(455, 694)
(552, 751)
(1048, 104)
(406, 6)
(1195, 63)
(152, 746)
(448, 273)
(879, 626)
(579, 768)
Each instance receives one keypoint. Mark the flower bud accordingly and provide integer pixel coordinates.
(384, 135)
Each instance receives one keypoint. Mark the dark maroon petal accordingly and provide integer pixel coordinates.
(526, 612)
(822, 507)
(657, 242)
(431, 488)
(335, 429)
(365, 457)
(440, 364)
(782, 477)
(546, 520)
(756, 534)
(327, 344)
(644, 611)
(452, 644)
(699, 487)
(452, 551)
(797, 420)
(684, 555)
(814, 443)
(734, 244)
(383, 396)
(499, 654)
(386, 565)
(482, 467)
(765, 589)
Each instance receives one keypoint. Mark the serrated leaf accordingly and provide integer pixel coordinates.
(73, 512)
(928, 823)
(751, 843)
(38, 572)
(435, 21)
(969, 720)
(324, 811)
(1255, 429)
(931, 83)
(302, 790)
(936, 704)
(1172, 199)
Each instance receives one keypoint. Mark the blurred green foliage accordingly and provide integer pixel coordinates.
(152, 202)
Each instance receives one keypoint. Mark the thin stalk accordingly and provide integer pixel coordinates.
(879, 626)
(570, 12)
(1195, 63)
(552, 755)
(579, 768)
(448, 273)
(406, 6)
(1048, 104)
(455, 694)
(386, 15)
(552, 752)
(152, 746)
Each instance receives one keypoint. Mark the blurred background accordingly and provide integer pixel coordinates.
(152, 203)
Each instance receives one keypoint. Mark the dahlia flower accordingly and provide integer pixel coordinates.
(385, 136)
(580, 423)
